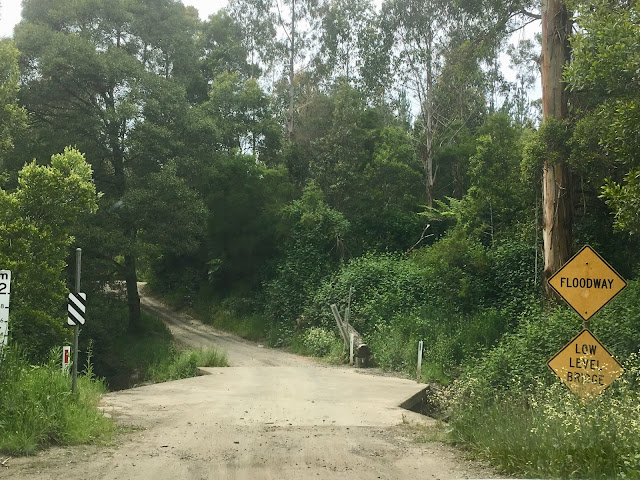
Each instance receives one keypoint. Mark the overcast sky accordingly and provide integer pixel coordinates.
(10, 12)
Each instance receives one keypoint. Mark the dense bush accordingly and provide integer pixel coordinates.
(319, 342)
(383, 286)
(511, 408)
(456, 271)
(314, 251)
(546, 432)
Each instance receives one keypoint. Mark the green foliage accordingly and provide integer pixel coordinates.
(39, 409)
(244, 200)
(122, 357)
(624, 201)
(510, 408)
(549, 433)
(320, 342)
(313, 251)
(237, 314)
(519, 360)
(185, 364)
(36, 221)
(456, 270)
(383, 286)
(603, 76)
(12, 116)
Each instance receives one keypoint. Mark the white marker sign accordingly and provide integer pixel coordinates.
(66, 358)
(5, 290)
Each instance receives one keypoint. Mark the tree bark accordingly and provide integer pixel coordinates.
(292, 57)
(556, 191)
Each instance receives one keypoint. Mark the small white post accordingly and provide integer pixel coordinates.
(419, 373)
(353, 336)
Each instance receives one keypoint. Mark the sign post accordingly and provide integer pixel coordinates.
(5, 291)
(76, 328)
(587, 283)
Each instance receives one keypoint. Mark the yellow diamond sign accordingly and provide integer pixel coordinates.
(587, 282)
(585, 365)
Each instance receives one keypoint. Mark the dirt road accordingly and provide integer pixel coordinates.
(270, 415)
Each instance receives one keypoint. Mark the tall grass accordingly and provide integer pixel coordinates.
(185, 364)
(552, 433)
(38, 408)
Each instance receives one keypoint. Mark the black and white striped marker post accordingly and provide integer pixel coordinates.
(79, 304)
(76, 308)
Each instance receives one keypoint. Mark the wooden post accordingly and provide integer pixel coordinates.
(353, 337)
(336, 315)
(419, 373)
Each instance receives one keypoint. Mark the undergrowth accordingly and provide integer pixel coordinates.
(38, 408)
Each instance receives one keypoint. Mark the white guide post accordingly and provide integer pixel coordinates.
(419, 372)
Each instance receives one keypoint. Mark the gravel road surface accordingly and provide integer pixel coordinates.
(271, 415)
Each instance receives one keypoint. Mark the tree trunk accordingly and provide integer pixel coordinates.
(428, 119)
(556, 192)
(291, 70)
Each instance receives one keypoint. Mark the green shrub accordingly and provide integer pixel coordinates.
(234, 314)
(38, 408)
(513, 283)
(456, 272)
(314, 250)
(319, 342)
(383, 286)
(550, 433)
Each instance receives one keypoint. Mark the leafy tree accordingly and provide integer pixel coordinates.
(110, 78)
(343, 39)
(313, 250)
(12, 116)
(241, 114)
(244, 225)
(603, 74)
(221, 41)
(257, 25)
(36, 221)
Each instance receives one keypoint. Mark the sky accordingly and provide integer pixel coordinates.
(10, 12)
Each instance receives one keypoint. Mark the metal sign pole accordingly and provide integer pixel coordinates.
(76, 328)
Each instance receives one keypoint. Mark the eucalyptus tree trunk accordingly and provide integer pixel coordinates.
(292, 55)
(556, 185)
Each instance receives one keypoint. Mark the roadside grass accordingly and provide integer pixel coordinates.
(38, 408)
(151, 356)
(552, 433)
(223, 316)
(184, 364)
(148, 355)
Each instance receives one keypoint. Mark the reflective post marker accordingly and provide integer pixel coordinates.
(66, 358)
(419, 372)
